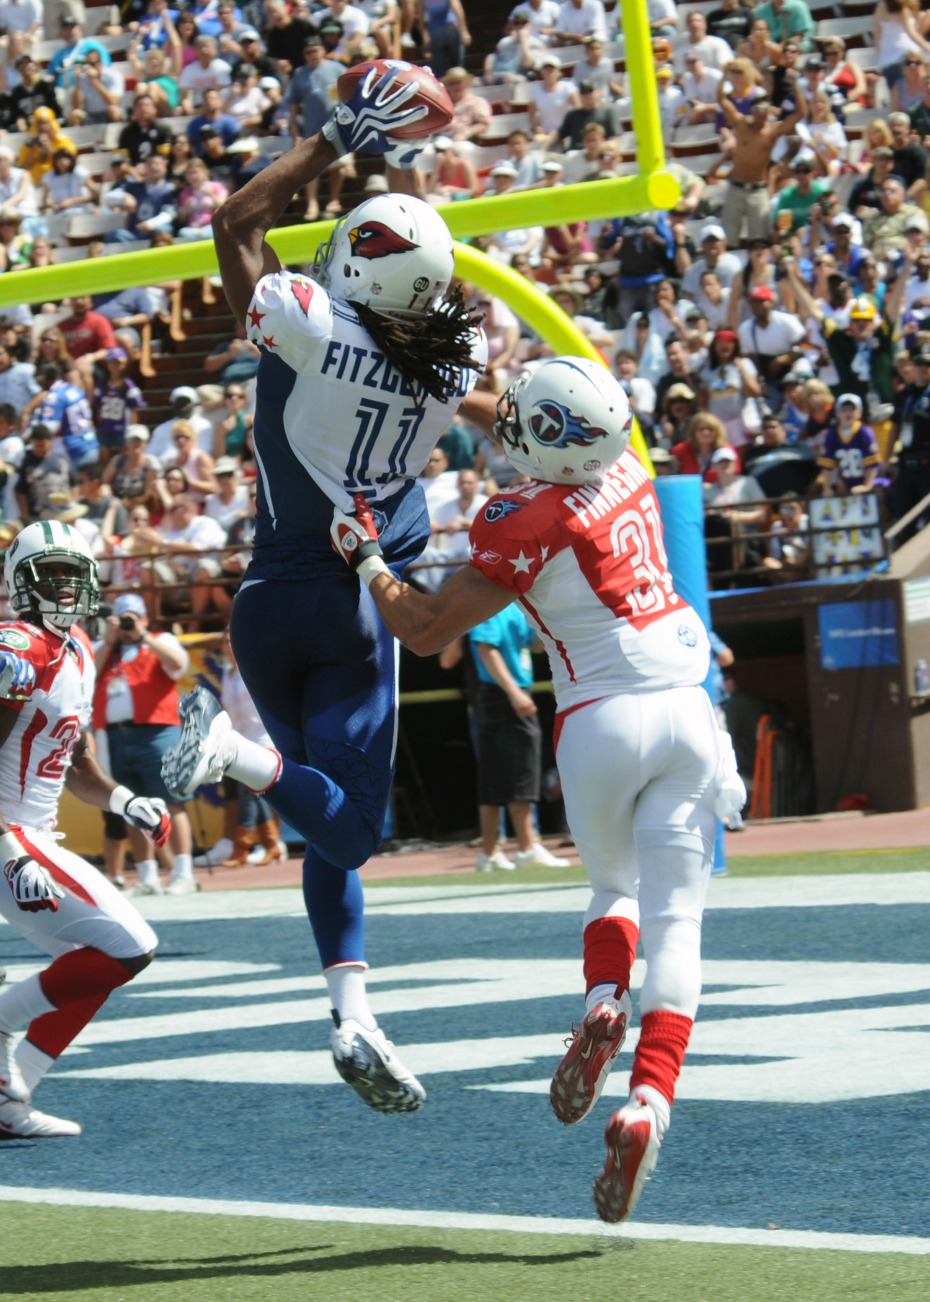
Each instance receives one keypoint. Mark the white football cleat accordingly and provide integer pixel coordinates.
(182, 886)
(20, 1121)
(205, 747)
(366, 1060)
(12, 1085)
(488, 863)
(632, 1139)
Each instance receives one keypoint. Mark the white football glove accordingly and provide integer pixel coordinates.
(364, 123)
(32, 886)
(17, 677)
(731, 790)
(147, 813)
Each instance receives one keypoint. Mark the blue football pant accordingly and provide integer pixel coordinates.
(322, 671)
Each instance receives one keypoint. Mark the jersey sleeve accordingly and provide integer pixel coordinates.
(292, 317)
(20, 641)
(513, 536)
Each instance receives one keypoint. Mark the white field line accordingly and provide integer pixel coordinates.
(718, 1234)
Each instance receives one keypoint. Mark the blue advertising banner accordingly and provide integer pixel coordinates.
(858, 634)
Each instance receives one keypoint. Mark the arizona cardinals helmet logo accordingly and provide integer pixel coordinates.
(375, 240)
(556, 427)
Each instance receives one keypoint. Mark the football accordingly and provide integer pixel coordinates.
(430, 91)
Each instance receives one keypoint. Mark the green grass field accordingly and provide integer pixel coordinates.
(105, 1255)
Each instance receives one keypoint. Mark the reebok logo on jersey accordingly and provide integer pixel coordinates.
(556, 426)
(375, 240)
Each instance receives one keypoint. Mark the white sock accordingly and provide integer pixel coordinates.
(346, 985)
(19, 1004)
(148, 871)
(606, 993)
(255, 766)
(659, 1104)
(183, 867)
(33, 1063)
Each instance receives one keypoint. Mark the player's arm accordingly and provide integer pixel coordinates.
(480, 407)
(87, 780)
(424, 622)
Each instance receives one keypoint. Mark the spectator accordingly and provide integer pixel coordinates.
(731, 390)
(250, 47)
(526, 162)
(543, 16)
(66, 191)
(17, 381)
(755, 134)
(235, 361)
(731, 22)
(678, 371)
(355, 26)
(909, 92)
(132, 474)
(509, 741)
(34, 91)
(97, 499)
(63, 408)
(285, 36)
(42, 473)
(136, 704)
(309, 98)
(699, 86)
(827, 137)
(198, 201)
(158, 74)
(759, 48)
(231, 431)
(771, 339)
(570, 133)
(188, 31)
(673, 107)
(182, 151)
(73, 51)
(849, 457)
(598, 68)
(798, 198)
(142, 135)
(578, 19)
(714, 257)
(97, 97)
(115, 398)
(230, 501)
(704, 437)
(191, 543)
(788, 19)
(640, 392)
(128, 311)
(87, 334)
(679, 406)
(471, 115)
(38, 149)
(912, 432)
(842, 74)
(233, 565)
(774, 435)
(895, 32)
(444, 34)
(17, 193)
(453, 176)
(734, 508)
(219, 161)
(645, 248)
(185, 404)
(198, 465)
(208, 71)
(909, 158)
(548, 101)
(789, 546)
(246, 102)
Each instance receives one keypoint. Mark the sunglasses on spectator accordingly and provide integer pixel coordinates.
(234, 393)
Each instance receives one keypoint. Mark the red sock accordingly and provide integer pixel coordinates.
(78, 983)
(609, 951)
(663, 1039)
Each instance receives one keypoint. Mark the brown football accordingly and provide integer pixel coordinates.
(430, 91)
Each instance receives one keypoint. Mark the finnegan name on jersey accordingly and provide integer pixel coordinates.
(590, 500)
(380, 374)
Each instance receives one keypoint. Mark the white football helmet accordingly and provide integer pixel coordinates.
(566, 422)
(61, 597)
(393, 252)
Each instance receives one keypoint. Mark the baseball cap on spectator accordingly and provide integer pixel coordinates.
(69, 20)
(845, 220)
(43, 114)
(692, 55)
(332, 26)
(244, 71)
(313, 39)
(138, 432)
(269, 83)
(586, 87)
(863, 309)
(917, 222)
(664, 73)
(552, 166)
(849, 400)
(681, 391)
(761, 294)
(129, 603)
(503, 169)
(694, 314)
(922, 357)
(184, 396)
(660, 455)
(802, 163)
(117, 355)
(208, 131)
(813, 62)
(210, 392)
(248, 34)
(442, 143)
(723, 454)
(550, 61)
(712, 231)
(226, 466)
(800, 371)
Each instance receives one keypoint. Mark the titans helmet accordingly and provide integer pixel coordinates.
(567, 422)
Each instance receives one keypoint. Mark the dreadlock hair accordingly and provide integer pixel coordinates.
(430, 351)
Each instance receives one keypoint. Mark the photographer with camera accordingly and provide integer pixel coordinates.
(136, 709)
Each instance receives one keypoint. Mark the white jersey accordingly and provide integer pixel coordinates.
(351, 420)
(35, 758)
(589, 567)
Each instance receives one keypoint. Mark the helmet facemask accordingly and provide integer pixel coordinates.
(60, 586)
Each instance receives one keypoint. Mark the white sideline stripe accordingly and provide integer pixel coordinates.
(721, 1234)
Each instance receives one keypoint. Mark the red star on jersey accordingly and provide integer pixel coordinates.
(268, 341)
(255, 316)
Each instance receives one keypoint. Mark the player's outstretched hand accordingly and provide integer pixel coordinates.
(150, 815)
(17, 677)
(355, 537)
(379, 104)
(32, 886)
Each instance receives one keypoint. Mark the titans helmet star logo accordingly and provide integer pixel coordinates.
(375, 240)
(555, 426)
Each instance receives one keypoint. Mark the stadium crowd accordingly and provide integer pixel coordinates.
(781, 312)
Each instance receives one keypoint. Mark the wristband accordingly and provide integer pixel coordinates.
(368, 569)
(119, 799)
(10, 848)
